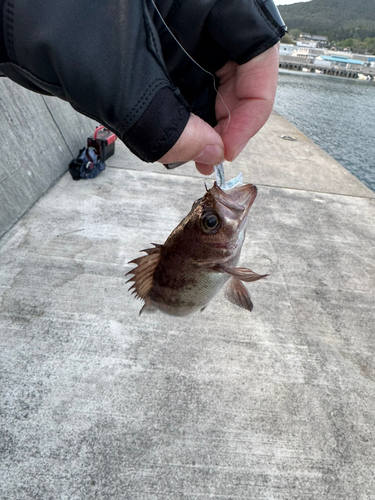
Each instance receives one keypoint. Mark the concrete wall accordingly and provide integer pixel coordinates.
(39, 136)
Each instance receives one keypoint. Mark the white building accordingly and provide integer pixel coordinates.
(310, 45)
(286, 49)
(307, 52)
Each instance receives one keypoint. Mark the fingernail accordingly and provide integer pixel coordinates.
(211, 155)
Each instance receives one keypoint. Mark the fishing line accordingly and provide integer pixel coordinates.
(195, 62)
(219, 169)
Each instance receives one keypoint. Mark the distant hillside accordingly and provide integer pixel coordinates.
(337, 19)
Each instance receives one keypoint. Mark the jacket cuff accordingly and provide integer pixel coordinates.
(159, 127)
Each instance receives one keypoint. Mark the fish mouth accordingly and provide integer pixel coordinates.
(237, 200)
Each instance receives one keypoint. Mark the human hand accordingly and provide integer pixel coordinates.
(248, 90)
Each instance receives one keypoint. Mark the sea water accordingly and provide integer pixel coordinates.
(336, 113)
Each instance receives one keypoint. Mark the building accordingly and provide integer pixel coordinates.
(286, 49)
(338, 62)
(307, 52)
(307, 44)
(321, 41)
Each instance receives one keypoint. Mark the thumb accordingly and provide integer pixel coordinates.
(198, 142)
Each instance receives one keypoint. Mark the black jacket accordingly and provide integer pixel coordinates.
(115, 61)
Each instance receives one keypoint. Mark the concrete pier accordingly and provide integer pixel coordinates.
(99, 403)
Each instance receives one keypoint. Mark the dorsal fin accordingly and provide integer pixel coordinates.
(144, 272)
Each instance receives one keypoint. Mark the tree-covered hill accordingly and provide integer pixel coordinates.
(337, 19)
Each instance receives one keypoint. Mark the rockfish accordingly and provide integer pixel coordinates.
(199, 256)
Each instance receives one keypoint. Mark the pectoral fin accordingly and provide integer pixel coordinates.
(236, 293)
(241, 273)
(144, 272)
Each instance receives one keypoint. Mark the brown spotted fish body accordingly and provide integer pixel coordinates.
(199, 256)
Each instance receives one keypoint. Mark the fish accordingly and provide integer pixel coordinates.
(199, 257)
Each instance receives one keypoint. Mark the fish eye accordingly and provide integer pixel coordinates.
(210, 222)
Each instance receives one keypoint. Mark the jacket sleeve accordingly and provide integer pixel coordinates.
(116, 62)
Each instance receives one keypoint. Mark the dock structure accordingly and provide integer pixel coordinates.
(99, 403)
(301, 64)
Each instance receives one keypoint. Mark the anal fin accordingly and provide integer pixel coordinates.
(237, 294)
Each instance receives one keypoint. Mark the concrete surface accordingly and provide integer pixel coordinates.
(99, 403)
(39, 137)
(273, 161)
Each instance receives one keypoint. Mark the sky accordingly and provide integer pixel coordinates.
(287, 2)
